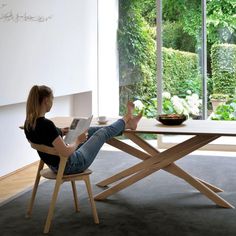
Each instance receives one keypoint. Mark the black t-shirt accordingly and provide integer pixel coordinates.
(45, 132)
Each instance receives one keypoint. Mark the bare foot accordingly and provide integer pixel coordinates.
(130, 107)
(133, 122)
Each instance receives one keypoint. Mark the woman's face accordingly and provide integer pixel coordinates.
(49, 102)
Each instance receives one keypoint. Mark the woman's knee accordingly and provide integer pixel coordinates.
(102, 134)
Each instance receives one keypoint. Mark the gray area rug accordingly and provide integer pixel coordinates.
(161, 204)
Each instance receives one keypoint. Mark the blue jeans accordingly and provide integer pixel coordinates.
(83, 157)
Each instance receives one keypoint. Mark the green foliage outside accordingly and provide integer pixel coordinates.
(186, 16)
(180, 72)
(221, 20)
(137, 58)
(177, 64)
(137, 55)
(224, 68)
(226, 111)
(175, 37)
(181, 31)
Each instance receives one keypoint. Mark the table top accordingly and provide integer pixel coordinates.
(152, 126)
(191, 127)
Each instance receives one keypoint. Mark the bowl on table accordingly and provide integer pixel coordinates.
(171, 119)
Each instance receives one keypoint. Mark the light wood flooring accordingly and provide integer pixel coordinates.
(17, 182)
(21, 180)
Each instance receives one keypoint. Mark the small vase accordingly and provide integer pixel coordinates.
(216, 102)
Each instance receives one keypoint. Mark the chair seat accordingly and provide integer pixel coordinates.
(49, 174)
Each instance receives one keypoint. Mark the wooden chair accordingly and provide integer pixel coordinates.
(60, 179)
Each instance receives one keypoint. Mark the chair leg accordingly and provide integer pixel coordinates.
(55, 193)
(52, 206)
(75, 196)
(90, 194)
(34, 191)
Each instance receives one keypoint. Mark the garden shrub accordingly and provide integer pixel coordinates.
(224, 68)
(181, 72)
(174, 37)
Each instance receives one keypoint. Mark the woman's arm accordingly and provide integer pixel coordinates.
(67, 150)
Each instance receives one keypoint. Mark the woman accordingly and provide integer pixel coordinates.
(83, 151)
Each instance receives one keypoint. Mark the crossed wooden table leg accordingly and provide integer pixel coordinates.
(153, 160)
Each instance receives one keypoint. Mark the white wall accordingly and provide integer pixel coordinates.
(51, 42)
(108, 58)
(83, 104)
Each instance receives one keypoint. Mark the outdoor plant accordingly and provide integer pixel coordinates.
(147, 106)
(219, 96)
(180, 72)
(225, 111)
(218, 99)
(189, 106)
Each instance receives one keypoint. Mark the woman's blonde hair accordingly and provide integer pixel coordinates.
(34, 101)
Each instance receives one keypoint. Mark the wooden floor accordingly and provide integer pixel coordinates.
(21, 180)
(17, 182)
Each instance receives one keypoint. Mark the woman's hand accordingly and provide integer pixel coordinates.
(64, 131)
(67, 150)
(82, 138)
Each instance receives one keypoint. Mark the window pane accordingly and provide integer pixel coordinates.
(181, 54)
(137, 55)
(221, 44)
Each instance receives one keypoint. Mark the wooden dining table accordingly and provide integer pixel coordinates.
(200, 132)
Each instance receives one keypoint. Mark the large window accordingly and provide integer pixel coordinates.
(197, 55)
(171, 56)
(178, 56)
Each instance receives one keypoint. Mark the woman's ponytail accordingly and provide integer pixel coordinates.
(33, 104)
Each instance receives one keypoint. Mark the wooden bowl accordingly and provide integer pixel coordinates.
(171, 119)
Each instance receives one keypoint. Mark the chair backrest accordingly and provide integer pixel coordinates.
(44, 148)
(52, 151)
